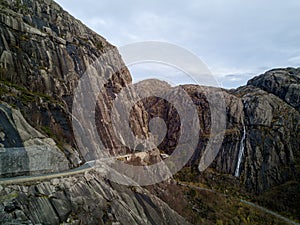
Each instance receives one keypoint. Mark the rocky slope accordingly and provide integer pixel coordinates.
(271, 119)
(24, 150)
(84, 199)
(262, 123)
(284, 83)
(44, 51)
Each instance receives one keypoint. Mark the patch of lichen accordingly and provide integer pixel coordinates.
(8, 197)
(21, 98)
(22, 95)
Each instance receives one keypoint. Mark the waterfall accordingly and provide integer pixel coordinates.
(241, 153)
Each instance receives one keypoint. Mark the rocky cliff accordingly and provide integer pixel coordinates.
(83, 199)
(260, 144)
(44, 51)
(284, 83)
(24, 150)
(271, 119)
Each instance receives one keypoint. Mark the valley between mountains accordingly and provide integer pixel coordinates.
(44, 51)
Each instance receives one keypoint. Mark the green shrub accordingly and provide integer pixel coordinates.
(99, 45)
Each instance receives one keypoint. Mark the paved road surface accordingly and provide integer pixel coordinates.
(21, 179)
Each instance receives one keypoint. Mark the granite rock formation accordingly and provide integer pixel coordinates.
(284, 83)
(266, 115)
(44, 51)
(24, 150)
(83, 199)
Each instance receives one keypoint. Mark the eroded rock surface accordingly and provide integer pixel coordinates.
(265, 117)
(24, 150)
(44, 51)
(84, 199)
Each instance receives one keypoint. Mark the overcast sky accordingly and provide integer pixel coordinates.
(236, 39)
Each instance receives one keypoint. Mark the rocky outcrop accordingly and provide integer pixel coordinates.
(284, 83)
(88, 199)
(271, 145)
(24, 150)
(226, 159)
(44, 51)
(260, 144)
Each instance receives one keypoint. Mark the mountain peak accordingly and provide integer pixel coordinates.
(284, 83)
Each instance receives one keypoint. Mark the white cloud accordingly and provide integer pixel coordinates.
(235, 36)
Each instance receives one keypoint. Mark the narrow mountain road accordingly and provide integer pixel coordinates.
(289, 221)
(22, 179)
(39, 177)
(82, 169)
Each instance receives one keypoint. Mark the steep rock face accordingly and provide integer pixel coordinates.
(272, 143)
(44, 48)
(24, 150)
(284, 83)
(48, 114)
(88, 199)
(260, 145)
(226, 159)
(44, 51)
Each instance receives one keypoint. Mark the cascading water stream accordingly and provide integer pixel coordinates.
(241, 153)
